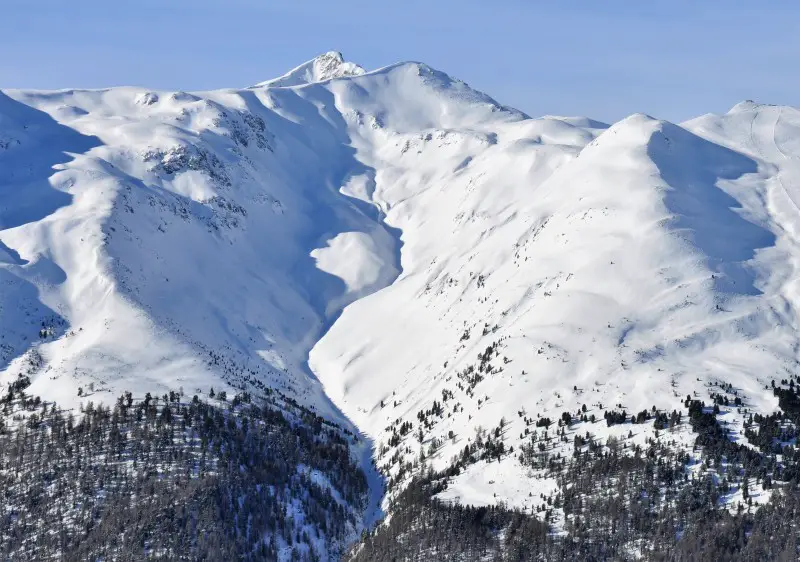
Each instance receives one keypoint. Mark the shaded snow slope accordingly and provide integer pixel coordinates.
(355, 239)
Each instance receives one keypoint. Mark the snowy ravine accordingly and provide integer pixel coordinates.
(368, 242)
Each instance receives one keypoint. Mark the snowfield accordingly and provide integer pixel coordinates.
(357, 240)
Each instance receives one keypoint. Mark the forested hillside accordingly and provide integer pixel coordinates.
(174, 478)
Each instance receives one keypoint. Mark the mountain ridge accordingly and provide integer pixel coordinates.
(354, 240)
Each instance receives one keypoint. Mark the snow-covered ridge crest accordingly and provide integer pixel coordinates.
(319, 69)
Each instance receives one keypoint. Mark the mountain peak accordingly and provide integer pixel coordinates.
(746, 105)
(326, 66)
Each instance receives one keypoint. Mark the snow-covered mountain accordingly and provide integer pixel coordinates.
(394, 246)
(622, 268)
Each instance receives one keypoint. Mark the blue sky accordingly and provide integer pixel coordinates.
(673, 60)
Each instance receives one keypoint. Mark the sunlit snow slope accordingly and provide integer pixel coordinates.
(620, 268)
(153, 240)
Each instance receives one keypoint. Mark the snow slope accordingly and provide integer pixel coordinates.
(620, 268)
(355, 239)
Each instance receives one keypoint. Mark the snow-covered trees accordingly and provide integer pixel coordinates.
(166, 479)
